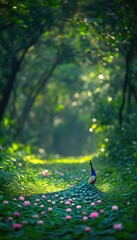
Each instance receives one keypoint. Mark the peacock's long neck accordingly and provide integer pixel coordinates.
(93, 173)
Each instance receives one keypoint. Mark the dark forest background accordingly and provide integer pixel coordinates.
(68, 75)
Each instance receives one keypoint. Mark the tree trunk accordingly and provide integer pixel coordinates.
(15, 65)
(9, 86)
(124, 91)
(134, 92)
(129, 98)
(127, 81)
(31, 99)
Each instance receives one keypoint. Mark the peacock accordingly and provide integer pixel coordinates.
(93, 177)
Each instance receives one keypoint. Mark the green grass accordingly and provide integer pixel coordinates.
(67, 179)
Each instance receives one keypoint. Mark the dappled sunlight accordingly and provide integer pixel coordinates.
(61, 194)
(56, 175)
(34, 160)
(45, 186)
(68, 142)
(73, 161)
(105, 187)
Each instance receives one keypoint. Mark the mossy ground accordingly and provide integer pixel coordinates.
(63, 179)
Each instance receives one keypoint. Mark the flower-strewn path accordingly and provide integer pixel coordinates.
(61, 204)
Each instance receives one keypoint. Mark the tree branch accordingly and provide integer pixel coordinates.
(134, 92)
(14, 69)
(128, 77)
(124, 91)
(31, 99)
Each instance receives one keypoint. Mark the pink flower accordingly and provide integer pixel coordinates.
(67, 202)
(16, 226)
(35, 216)
(26, 203)
(87, 229)
(68, 217)
(25, 222)
(6, 202)
(21, 198)
(19, 206)
(43, 213)
(16, 214)
(99, 201)
(92, 204)
(43, 196)
(78, 207)
(40, 222)
(83, 213)
(115, 208)
(118, 226)
(94, 215)
(10, 219)
(68, 210)
(50, 209)
(70, 200)
(84, 218)
(45, 171)
(46, 174)
(101, 211)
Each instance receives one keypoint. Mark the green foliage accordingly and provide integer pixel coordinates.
(91, 43)
(68, 179)
(12, 176)
(68, 76)
(7, 170)
(120, 143)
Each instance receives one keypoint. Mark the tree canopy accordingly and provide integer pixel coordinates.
(68, 71)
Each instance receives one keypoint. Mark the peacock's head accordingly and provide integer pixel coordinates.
(90, 162)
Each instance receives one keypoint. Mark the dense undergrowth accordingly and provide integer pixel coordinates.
(53, 199)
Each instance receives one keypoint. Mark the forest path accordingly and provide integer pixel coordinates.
(57, 202)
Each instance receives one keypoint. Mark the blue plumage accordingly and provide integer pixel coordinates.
(93, 177)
